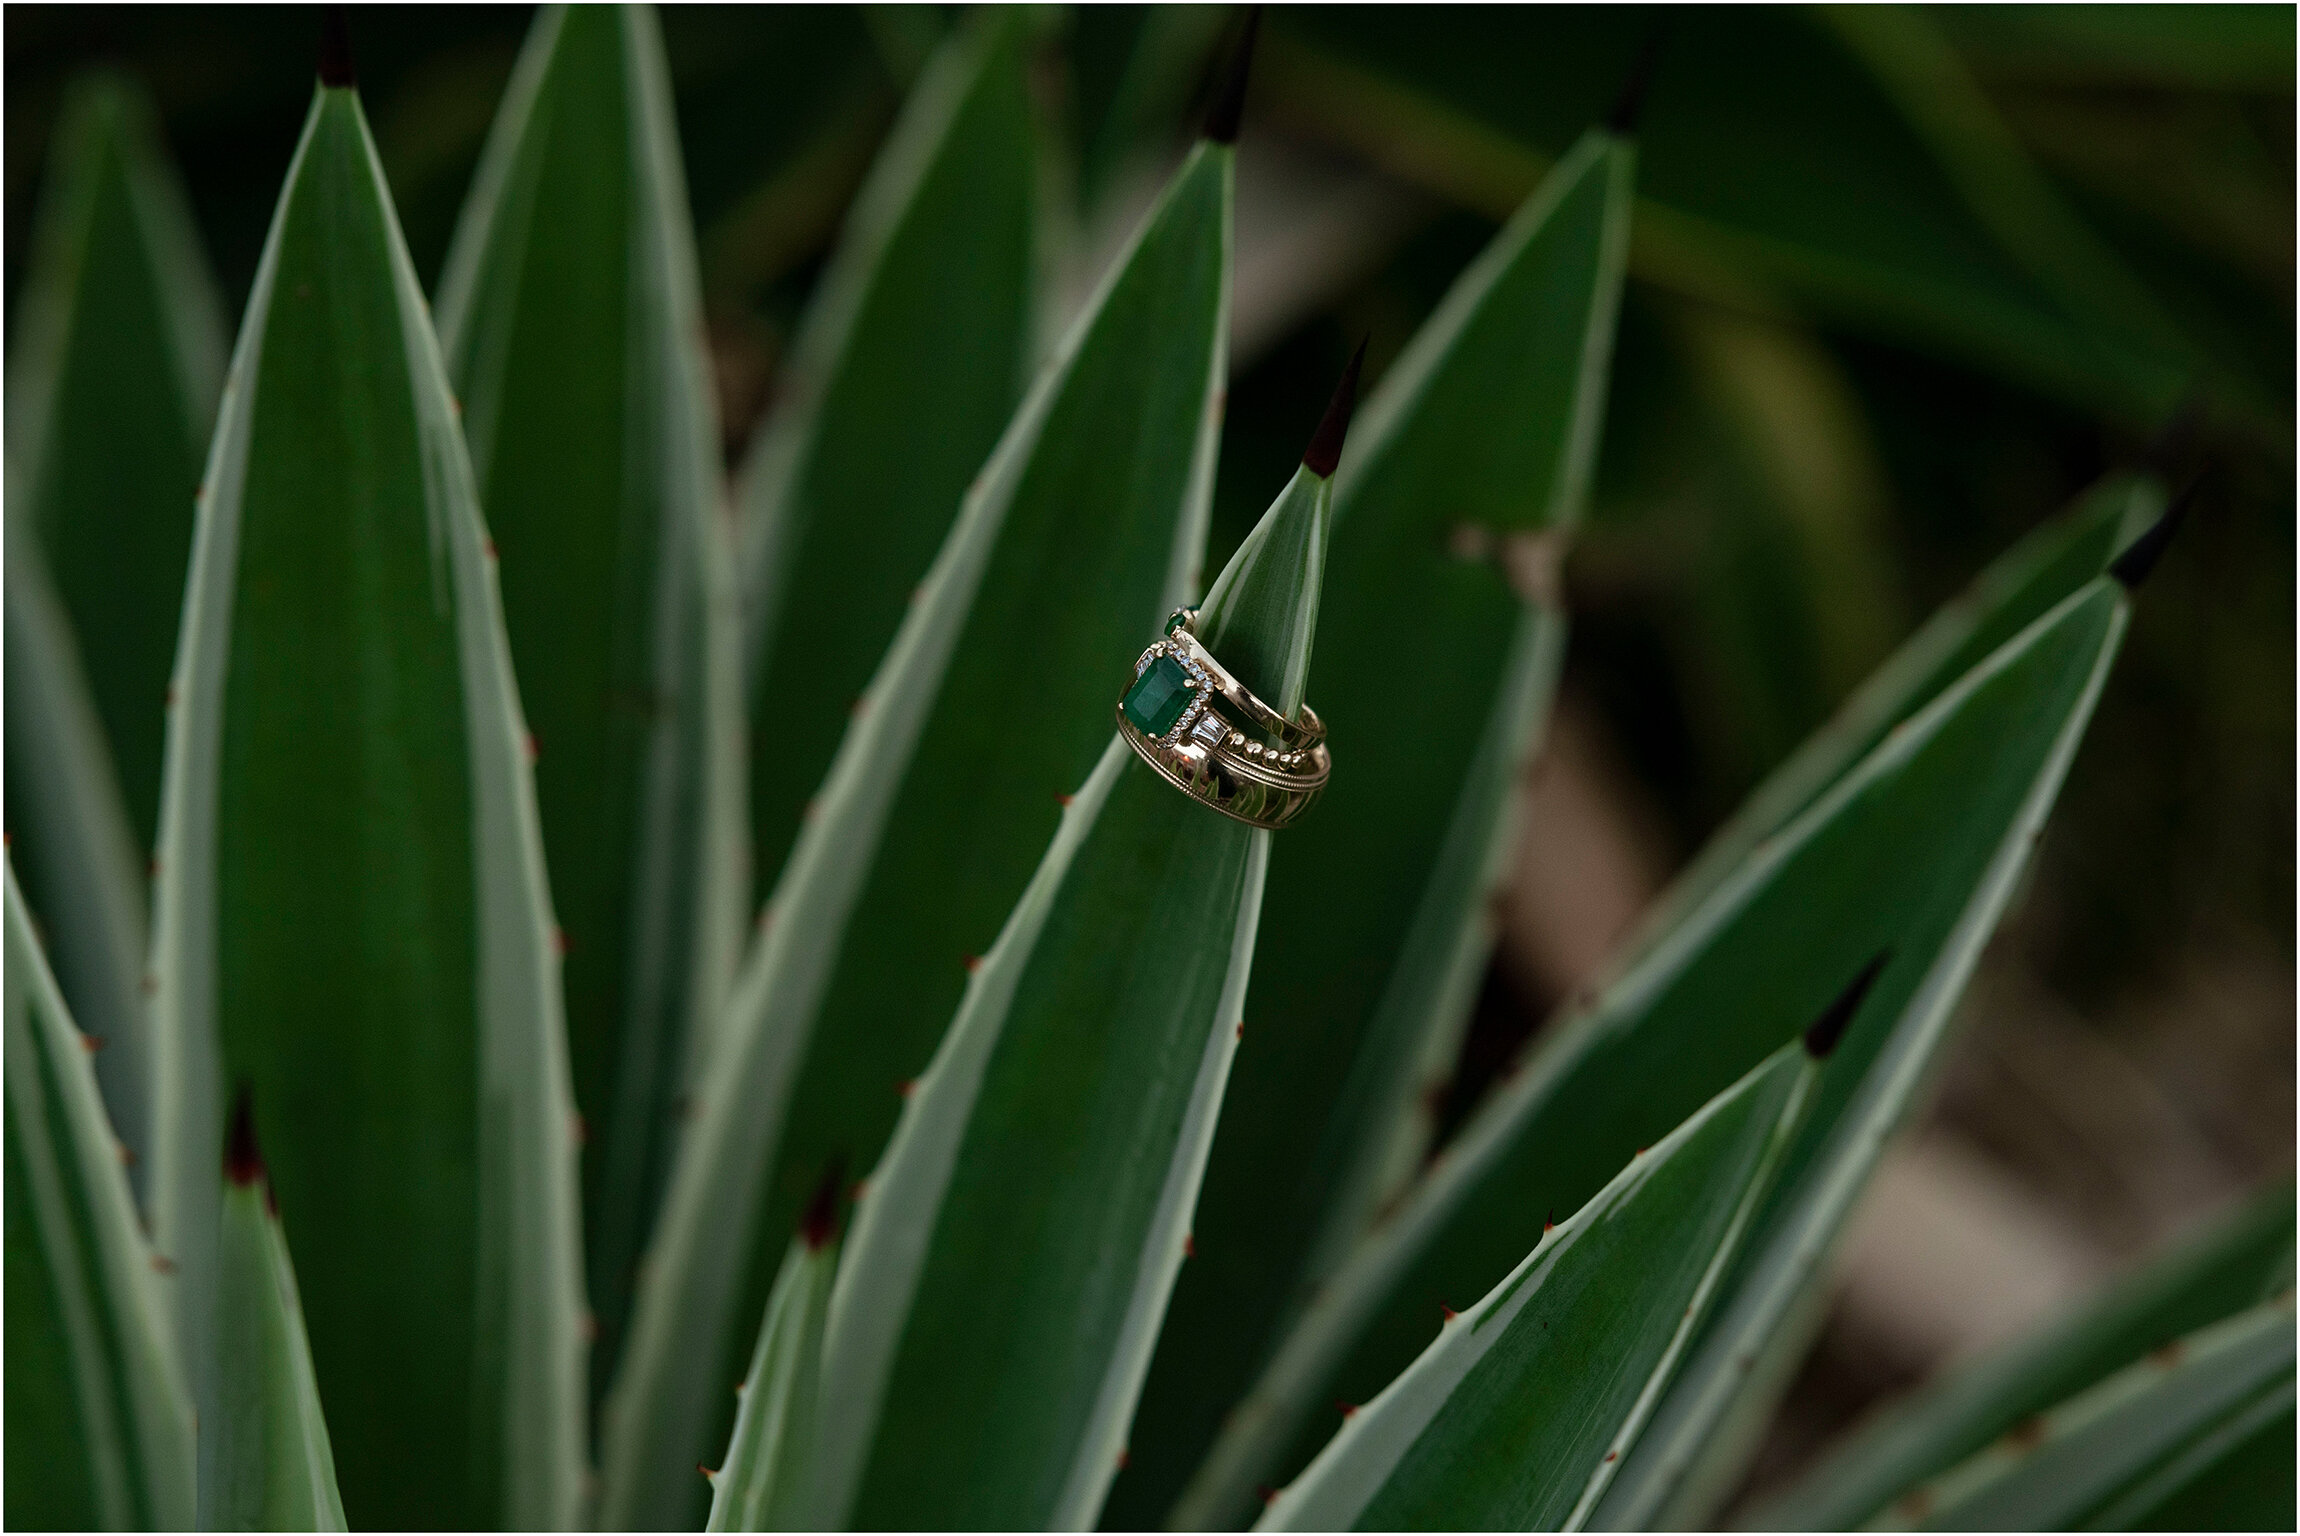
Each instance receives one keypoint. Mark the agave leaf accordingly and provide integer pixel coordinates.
(572, 329)
(99, 1424)
(2239, 1261)
(1132, 71)
(1442, 647)
(1011, 1260)
(1080, 533)
(1863, 215)
(111, 390)
(1705, 1428)
(67, 823)
(761, 1484)
(2200, 1427)
(918, 335)
(2018, 587)
(119, 354)
(1914, 852)
(273, 1467)
(1517, 1414)
(351, 914)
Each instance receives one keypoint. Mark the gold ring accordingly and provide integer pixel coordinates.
(1208, 736)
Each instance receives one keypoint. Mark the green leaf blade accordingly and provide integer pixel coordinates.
(98, 1418)
(2147, 1442)
(1376, 925)
(761, 1483)
(1913, 853)
(1012, 1259)
(1519, 1411)
(1775, 161)
(572, 328)
(351, 913)
(113, 387)
(919, 335)
(993, 702)
(116, 363)
(273, 1465)
(2237, 1262)
(2018, 587)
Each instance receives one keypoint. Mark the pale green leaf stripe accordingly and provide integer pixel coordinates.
(1969, 777)
(917, 334)
(1013, 1255)
(1520, 1410)
(760, 1484)
(1705, 1429)
(2111, 1455)
(1378, 925)
(97, 1406)
(2016, 588)
(572, 325)
(2238, 1261)
(525, 1372)
(117, 355)
(1093, 507)
(272, 1463)
(71, 831)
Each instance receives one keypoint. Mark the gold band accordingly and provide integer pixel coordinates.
(1208, 736)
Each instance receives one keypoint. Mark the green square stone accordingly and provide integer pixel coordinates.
(1158, 697)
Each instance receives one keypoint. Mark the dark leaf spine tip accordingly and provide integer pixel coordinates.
(821, 1222)
(1324, 454)
(2140, 556)
(243, 1162)
(1230, 101)
(335, 71)
(2176, 438)
(1822, 1035)
(1629, 105)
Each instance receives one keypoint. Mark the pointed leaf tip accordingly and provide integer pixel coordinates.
(2175, 438)
(1230, 102)
(1630, 104)
(2140, 556)
(821, 1222)
(1822, 1035)
(335, 71)
(243, 1160)
(1324, 454)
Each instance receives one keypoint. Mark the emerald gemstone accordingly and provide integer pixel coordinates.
(1158, 697)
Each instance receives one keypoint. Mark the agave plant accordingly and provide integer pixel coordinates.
(457, 1144)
